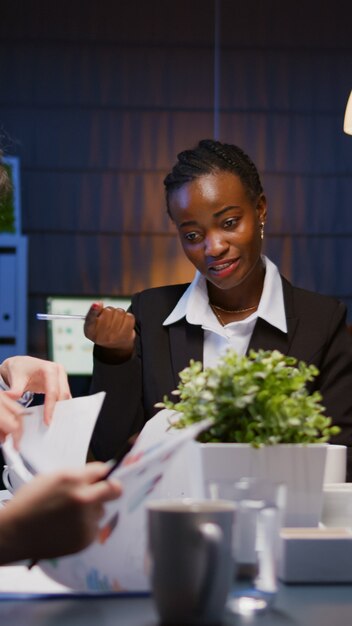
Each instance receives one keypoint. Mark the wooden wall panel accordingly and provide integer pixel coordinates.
(286, 79)
(133, 22)
(308, 204)
(320, 261)
(107, 76)
(289, 142)
(107, 264)
(96, 202)
(313, 24)
(78, 139)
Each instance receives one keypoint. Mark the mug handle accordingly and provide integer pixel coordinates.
(6, 479)
(213, 537)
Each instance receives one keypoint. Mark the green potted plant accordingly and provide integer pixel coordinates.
(265, 423)
(260, 399)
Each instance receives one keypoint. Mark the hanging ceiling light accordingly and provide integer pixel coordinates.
(347, 123)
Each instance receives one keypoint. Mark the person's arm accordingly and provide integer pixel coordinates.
(55, 514)
(25, 373)
(117, 371)
(122, 414)
(134, 386)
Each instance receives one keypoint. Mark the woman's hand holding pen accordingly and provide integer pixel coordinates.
(111, 329)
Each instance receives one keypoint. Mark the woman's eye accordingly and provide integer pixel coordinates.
(230, 222)
(191, 236)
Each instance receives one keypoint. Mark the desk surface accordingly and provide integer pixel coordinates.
(308, 605)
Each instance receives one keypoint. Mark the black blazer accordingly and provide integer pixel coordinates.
(316, 334)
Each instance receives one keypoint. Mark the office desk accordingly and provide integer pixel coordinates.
(308, 605)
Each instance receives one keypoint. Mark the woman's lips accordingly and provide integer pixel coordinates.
(224, 268)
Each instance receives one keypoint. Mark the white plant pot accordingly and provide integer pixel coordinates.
(300, 467)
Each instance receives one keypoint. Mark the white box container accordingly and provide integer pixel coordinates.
(315, 555)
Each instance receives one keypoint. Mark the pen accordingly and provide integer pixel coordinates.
(111, 466)
(59, 316)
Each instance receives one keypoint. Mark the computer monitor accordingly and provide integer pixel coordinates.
(67, 343)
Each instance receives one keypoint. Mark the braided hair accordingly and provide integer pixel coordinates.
(211, 157)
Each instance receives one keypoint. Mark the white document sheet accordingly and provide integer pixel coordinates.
(62, 444)
(183, 476)
(18, 579)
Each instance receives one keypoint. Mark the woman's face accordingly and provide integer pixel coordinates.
(219, 227)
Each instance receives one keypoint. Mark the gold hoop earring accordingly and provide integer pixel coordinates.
(261, 226)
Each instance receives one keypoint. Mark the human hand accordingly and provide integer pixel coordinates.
(26, 373)
(55, 514)
(10, 418)
(111, 328)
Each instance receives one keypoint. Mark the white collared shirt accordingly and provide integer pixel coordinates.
(194, 305)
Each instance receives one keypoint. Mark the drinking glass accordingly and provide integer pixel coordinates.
(259, 508)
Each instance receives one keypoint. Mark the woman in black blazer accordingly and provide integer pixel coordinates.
(216, 201)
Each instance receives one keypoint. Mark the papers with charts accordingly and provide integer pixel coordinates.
(117, 561)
